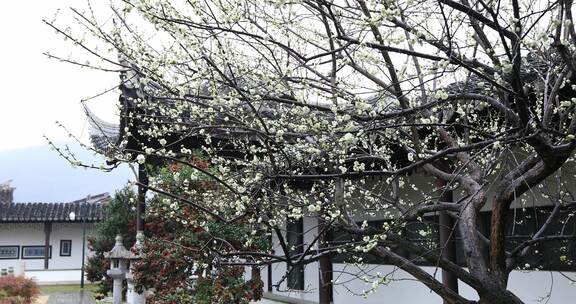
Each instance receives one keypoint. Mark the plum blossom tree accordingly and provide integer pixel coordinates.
(331, 109)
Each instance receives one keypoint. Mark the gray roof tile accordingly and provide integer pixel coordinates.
(90, 209)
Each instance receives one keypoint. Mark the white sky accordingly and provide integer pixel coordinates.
(37, 91)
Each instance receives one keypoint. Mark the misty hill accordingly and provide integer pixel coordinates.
(41, 175)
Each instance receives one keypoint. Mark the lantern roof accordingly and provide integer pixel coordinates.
(119, 251)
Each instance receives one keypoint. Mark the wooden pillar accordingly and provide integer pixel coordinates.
(447, 241)
(83, 250)
(141, 204)
(326, 295)
(295, 238)
(269, 268)
(326, 288)
(269, 279)
(47, 231)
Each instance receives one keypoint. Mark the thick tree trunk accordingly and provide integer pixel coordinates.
(499, 295)
(497, 243)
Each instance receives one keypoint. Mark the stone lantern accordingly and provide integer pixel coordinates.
(119, 258)
(133, 297)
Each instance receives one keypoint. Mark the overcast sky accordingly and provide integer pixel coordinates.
(37, 91)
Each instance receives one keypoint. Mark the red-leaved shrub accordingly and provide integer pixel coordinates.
(17, 290)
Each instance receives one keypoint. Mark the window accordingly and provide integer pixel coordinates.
(559, 255)
(338, 237)
(555, 255)
(425, 234)
(65, 248)
(9, 252)
(35, 252)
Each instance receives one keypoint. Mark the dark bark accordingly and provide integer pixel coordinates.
(425, 278)
(513, 185)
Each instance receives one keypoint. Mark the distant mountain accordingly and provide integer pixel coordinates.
(41, 175)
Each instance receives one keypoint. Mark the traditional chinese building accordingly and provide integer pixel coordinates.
(303, 285)
(47, 241)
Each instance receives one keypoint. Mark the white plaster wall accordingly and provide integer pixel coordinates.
(33, 234)
(533, 287)
(310, 271)
(55, 277)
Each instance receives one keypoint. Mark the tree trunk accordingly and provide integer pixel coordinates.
(499, 295)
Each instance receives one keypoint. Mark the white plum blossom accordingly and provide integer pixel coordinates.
(141, 159)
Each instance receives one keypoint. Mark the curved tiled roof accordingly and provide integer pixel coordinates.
(106, 136)
(103, 134)
(89, 209)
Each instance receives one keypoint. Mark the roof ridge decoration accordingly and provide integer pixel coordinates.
(104, 135)
(6, 192)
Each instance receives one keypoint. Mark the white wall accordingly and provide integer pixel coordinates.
(531, 286)
(310, 271)
(56, 277)
(33, 234)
